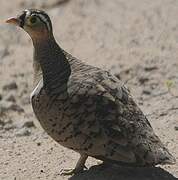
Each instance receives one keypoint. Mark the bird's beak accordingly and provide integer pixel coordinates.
(14, 21)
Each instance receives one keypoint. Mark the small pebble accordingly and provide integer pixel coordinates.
(28, 124)
(151, 68)
(38, 144)
(16, 107)
(147, 92)
(10, 86)
(10, 97)
(7, 105)
(6, 163)
(176, 128)
(8, 127)
(163, 114)
(143, 80)
(23, 132)
(25, 124)
(18, 154)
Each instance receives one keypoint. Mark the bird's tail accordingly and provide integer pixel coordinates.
(153, 153)
(165, 157)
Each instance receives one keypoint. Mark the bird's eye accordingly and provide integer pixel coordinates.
(33, 20)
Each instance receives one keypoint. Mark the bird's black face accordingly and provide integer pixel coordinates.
(34, 22)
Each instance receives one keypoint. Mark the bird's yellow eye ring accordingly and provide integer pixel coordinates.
(33, 20)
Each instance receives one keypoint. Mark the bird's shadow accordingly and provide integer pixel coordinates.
(123, 173)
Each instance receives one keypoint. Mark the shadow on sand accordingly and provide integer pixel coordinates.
(123, 173)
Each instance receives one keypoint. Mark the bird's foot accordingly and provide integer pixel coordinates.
(68, 172)
(80, 166)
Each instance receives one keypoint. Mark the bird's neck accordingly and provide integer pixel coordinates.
(50, 64)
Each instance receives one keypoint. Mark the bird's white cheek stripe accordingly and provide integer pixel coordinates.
(45, 20)
(27, 12)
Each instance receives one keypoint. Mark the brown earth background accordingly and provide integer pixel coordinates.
(137, 40)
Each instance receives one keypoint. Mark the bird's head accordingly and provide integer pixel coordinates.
(35, 22)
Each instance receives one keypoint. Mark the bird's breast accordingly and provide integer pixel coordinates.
(55, 120)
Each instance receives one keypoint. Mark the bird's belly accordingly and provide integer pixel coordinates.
(54, 121)
(67, 132)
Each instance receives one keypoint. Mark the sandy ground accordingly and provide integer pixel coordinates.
(137, 40)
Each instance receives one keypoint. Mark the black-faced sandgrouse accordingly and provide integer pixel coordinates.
(85, 108)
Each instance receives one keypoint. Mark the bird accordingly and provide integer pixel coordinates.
(86, 108)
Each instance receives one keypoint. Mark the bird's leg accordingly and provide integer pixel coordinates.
(78, 168)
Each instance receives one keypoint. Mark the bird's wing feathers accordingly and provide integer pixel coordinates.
(109, 113)
(113, 121)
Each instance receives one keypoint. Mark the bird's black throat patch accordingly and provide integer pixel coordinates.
(22, 19)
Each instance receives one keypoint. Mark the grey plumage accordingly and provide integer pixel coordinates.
(90, 111)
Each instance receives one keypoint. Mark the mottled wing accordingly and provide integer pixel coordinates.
(115, 127)
(99, 118)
